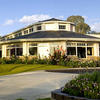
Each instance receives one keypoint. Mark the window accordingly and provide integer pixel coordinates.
(83, 49)
(19, 51)
(81, 44)
(26, 32)
(62, 27)
(18, 34)
(71, 44)
(14, 50)
(32, 49)
(38, 27)
(31, 30)
(71, 50)
(89, 51)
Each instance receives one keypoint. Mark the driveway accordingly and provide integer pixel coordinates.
(31, 85)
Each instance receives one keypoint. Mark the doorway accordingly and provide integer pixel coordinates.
(81, 52)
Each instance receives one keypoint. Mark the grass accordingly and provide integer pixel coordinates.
(6, 69)
(37, 99)
(44, 99)
(20, 99)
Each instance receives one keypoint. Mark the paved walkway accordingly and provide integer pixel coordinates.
(31, 85)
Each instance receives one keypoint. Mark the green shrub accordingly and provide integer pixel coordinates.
(5, 61)
(59, 57)
(86, 85)
(42, 61)
(20, 99)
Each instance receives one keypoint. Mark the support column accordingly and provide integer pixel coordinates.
(3, 51)
(86, 51)
(76, 51)
(25, 49)
(96, 49)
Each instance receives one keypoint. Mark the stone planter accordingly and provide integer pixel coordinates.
(58, 95)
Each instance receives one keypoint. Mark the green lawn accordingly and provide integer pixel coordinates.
(37, 99)
(6, 69)
(44, 99)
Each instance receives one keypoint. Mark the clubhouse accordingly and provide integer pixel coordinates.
(41, 38)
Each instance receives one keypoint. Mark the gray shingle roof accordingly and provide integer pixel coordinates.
(53, 34)
(52, 19)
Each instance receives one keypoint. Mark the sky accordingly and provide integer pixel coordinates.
(16, 14)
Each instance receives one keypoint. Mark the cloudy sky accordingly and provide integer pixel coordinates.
(15, 14)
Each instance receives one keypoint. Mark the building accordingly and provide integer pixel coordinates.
(40, 39)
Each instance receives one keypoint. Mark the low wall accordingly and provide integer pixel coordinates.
(57, 95)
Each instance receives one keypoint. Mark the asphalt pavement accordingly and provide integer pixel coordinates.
(32, 85)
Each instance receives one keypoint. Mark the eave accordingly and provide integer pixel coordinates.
(50, 40)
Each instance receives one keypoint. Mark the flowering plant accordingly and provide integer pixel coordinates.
(59, 56)
(86, 85)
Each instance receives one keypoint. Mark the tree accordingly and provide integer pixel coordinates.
(81, 26)
(76, 19)
(93, 32)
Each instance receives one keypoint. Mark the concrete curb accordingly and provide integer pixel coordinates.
(58, 95)
(75, 70)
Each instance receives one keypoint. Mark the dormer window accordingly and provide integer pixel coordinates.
(62, 27)
(26, 32)
(18, 34)
(38, 27)
(31, 30)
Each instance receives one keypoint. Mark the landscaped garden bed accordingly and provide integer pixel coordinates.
(59, 57)
(58, 95)
(59, 60)
(84, 87)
